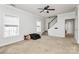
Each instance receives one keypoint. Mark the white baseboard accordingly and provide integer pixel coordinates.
(8, 43)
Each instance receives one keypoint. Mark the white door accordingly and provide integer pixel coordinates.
(38, 26)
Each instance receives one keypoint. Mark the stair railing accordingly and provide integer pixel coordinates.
(52, 21)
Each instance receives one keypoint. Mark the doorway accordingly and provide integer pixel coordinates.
(69, 28)
(38, 27)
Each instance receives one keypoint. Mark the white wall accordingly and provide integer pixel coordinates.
(60, 32)
(42, 25)
(27, 23)
(76, 24)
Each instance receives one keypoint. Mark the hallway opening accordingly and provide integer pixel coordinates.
(69, 27)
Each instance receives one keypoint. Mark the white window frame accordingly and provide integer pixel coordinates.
(11, 28)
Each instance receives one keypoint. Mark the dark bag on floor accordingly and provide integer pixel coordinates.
(35, 36)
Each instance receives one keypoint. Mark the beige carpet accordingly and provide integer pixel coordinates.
(44, 45)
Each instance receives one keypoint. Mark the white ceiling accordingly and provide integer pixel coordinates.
(59, 8)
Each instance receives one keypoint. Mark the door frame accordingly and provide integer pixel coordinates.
(70, 35)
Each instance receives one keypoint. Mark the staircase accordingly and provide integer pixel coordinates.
(52, 22)
(52, 26)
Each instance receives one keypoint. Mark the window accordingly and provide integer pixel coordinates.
(11, 26)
